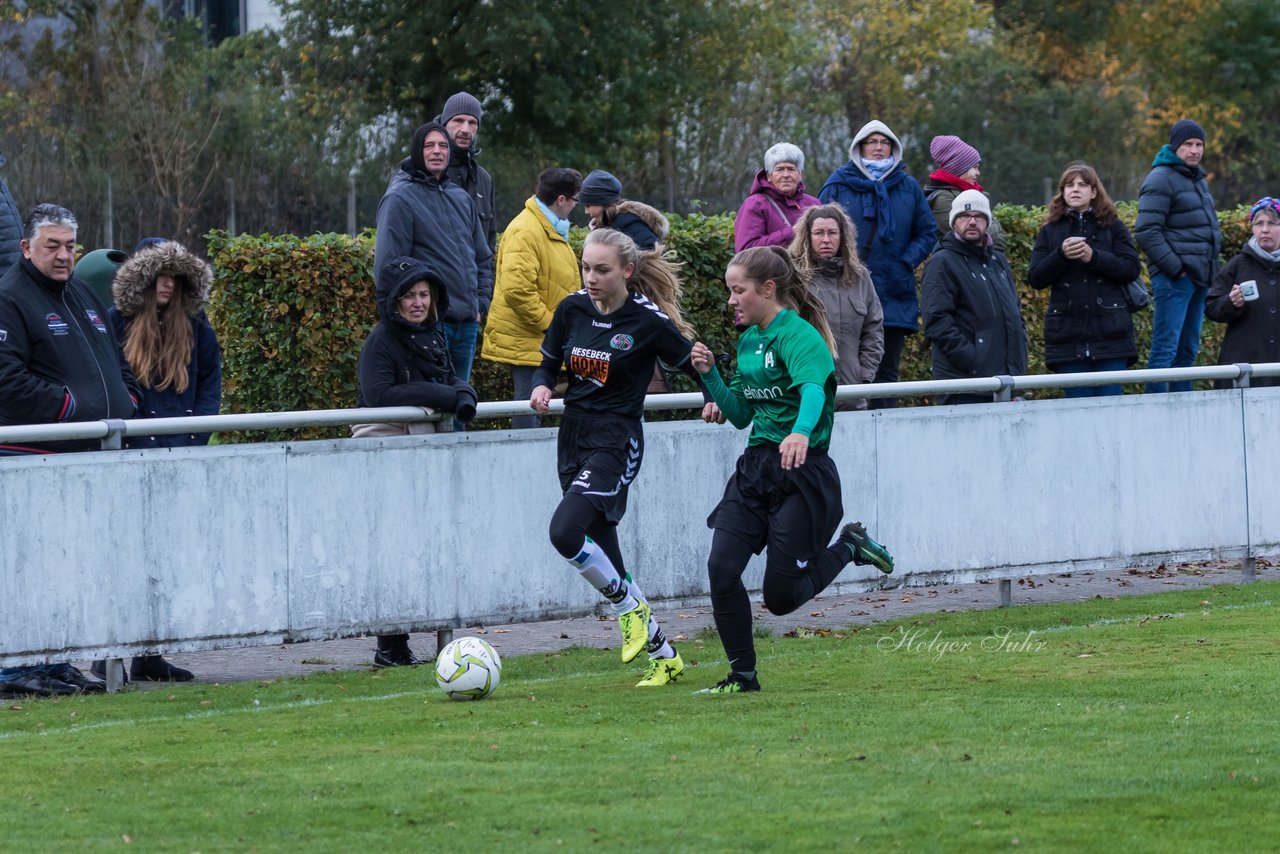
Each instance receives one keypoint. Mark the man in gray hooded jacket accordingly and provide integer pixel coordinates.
(427, 217)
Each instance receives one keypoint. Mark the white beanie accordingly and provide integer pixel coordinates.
(970, 200)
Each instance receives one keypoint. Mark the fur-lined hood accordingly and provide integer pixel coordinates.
(651, 217)
(139, 273)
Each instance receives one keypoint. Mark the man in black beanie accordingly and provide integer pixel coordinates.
(1177, 228)
(461, 119)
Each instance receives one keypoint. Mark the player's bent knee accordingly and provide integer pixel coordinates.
(780, 604)
(567, 537)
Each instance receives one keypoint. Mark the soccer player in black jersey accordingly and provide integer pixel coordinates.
(785, 490)
(608, 335)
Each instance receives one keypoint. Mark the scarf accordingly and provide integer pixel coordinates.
(428, 352)
(1273, 257)
(560, 225)
(944, 177)
(877, 169)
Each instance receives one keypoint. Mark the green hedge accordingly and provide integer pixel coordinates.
(292, 312)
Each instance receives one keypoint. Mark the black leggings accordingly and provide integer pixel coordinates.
(786, 587)
(575, 519)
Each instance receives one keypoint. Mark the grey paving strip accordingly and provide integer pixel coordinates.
(831, 612)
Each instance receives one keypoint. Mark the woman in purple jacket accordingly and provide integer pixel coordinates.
(776, 200)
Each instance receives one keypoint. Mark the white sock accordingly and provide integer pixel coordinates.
(658, 646)
(594, 565)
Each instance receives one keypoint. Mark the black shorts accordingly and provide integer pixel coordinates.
(796, 511)
(597, 457)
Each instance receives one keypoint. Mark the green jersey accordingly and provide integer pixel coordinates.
(773, 364)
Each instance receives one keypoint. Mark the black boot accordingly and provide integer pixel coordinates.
(153, 668)
(393, 651)
(99, 669)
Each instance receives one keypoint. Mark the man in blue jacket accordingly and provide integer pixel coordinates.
(1177, 227)
(427, 217)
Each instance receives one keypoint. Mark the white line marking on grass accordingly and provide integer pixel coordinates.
(201, 715)
(1116, 621)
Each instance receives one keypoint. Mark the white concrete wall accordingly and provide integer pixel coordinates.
(115, 552)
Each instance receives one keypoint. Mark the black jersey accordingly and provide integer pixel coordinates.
(610, 357)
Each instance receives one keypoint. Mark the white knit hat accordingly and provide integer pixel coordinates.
(970, 200)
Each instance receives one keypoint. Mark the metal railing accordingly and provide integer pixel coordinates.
(1001, 388)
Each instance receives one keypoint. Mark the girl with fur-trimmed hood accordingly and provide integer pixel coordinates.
(160, 294)
(601, 198)
(159, 320)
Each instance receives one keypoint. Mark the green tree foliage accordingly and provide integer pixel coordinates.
(662, 93)
(679, 99)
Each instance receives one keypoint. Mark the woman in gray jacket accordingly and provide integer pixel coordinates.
(825, 252)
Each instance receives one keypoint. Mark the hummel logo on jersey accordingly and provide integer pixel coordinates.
(650, 304)
(801, 564)
(600, 324)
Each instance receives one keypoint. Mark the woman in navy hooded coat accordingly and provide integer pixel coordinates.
(896, 232)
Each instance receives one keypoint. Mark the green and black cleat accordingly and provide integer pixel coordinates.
(866, 550)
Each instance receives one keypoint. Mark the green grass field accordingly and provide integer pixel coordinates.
(1135, 724)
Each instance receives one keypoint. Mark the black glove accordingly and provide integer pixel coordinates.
(465, 407)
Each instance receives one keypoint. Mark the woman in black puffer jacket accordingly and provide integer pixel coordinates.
(1086, 255)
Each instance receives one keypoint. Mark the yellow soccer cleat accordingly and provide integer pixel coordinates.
(662, 671)
(634, 625)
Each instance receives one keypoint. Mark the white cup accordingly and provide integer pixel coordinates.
(1249, 290)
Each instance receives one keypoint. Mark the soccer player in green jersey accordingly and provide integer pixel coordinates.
(785, 491)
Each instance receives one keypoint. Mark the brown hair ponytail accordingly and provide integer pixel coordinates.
(762, 264)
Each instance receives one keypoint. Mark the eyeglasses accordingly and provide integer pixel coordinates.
(877, 141)
(573, 199)
(968, 215)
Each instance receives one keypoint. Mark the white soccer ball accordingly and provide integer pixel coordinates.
(468, 669)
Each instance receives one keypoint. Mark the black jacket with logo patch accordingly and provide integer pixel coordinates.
(59, 360)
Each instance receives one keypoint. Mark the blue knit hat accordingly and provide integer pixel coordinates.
(1183, 130)
(600, 188)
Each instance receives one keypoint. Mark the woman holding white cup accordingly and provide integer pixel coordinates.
(1085, 256)
(1246, 295)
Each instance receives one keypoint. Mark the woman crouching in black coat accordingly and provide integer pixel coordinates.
(1085, 254)
(405, 362)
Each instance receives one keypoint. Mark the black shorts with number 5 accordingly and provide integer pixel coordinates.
(597, 457)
